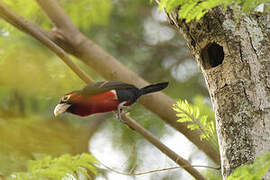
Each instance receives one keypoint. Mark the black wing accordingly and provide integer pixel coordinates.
(125, 92)
(100, 87)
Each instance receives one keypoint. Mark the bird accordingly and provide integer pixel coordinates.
(103, 97)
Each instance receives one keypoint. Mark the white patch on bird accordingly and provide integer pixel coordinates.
(115, 94)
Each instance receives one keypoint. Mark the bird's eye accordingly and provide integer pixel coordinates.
(65, 98)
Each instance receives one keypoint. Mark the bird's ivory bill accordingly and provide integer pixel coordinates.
(61, 108)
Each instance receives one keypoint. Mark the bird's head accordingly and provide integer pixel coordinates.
(76, 103)
(66, 103)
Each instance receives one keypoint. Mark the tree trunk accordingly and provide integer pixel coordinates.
(234, 55)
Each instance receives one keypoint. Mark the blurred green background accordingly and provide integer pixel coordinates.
(32, 81)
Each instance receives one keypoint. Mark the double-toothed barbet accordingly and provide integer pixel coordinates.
(103, 97)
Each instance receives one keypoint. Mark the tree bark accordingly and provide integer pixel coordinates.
(234, 56)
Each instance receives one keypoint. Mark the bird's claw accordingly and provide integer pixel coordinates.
(119, 111)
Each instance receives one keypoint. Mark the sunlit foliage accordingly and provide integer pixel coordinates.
(194, 114)
(254, 171)
(30, 136)
(196, 9)
(35, 71)
(65, 166)
(84, 13)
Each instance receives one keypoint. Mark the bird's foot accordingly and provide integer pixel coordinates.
(119, 111)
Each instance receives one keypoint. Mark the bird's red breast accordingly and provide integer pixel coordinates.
(87, 105)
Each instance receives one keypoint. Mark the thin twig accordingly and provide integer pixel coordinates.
(162, 147)
(18, 21)
(155, 170)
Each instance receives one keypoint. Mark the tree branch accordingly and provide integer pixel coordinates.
(9, 16)
(162, 147)
(74, 42)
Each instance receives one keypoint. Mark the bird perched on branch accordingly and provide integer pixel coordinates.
(103, 97)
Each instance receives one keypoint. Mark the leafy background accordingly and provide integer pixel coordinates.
(32, 80)
(196, 9)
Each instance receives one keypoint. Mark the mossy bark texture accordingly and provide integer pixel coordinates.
(234, 55)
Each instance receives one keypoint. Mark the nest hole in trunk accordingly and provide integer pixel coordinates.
(212, 55)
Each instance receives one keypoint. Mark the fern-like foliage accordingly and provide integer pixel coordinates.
(63, 167)
(191, 113)
(254, 171)
(196, 9)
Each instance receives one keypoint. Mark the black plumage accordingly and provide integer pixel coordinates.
(124, 91)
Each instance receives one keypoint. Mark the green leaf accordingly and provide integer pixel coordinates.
(254, 171)
(192, 113)
(193, 126)
(196, 9)
(58, 168)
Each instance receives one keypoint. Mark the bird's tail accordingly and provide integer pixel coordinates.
(153, 88)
